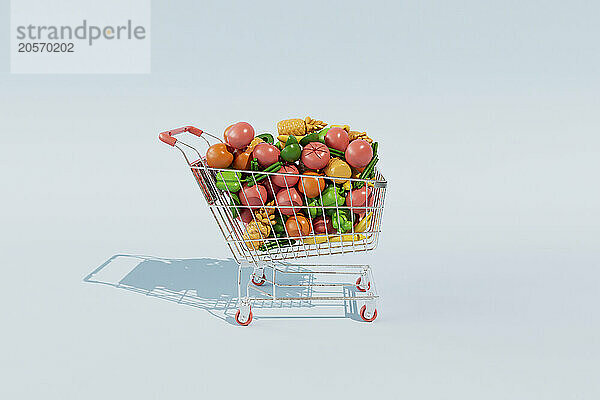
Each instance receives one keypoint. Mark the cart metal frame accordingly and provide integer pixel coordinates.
(269, 254)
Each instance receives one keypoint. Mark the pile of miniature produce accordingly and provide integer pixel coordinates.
(314, 202)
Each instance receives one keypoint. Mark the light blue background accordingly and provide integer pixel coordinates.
(488, 118)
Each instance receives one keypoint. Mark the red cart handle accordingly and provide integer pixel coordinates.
(167, 136)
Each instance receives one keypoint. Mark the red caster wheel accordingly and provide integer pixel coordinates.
(362, 315)
(359, 288)
(260, 281)
(237, 318)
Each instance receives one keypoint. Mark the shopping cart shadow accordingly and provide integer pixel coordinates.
(205, 283)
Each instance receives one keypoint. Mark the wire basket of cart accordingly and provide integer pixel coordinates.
(271, 215)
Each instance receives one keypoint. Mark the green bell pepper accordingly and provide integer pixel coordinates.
(229, 180)
(314, 137)
(313, 207)
(341, 222)
(292, 151)
(267, 137)
(333, 196)
(322, 134)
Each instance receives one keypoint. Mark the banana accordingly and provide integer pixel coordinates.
(334, 238)
(347, 238)
(283, 138)
(363, 223)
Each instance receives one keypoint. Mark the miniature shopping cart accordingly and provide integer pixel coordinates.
(269, 256)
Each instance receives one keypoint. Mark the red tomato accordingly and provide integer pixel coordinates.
(272, 189)
(358, 199)
(253, 196)
(315, 155)
(239, 135)
(337, 138)
(358, 153)
(289, 197)
(286, 181)
(323, 225)
(246, 215)
(266, 154)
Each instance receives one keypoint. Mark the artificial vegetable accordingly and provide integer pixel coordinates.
(266, 214)
(344, 127)
(347, 238)
(292, 151)
(315, 155)
(359, 153)
(279, 226)
(267, 137)
(253, 179)
(314, 137)
(363, 223)
(255, 233)
(333, 196)
(334, 238)
(266, 154)
(298, 225)
(217, 156)
(242, 160)
(272, 244)
(341, 221)
(311, 187)
(239, 135)
(235, 201)
(369, 170)
(322, 134)
(316, 240)
(229, 180)
(337, 138)
(300, 127)
(352, 135)
(314, 205)
(284, 138)
(336, 152)
(234, 211)
(338, 168)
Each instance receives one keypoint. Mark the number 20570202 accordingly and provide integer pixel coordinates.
(45, 47)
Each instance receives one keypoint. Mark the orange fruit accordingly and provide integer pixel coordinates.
(297, 226)
(312, 186)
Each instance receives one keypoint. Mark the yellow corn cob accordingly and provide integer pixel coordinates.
(299, 127)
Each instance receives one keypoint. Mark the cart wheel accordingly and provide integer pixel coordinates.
(260, 282)
(237, 318)
(359, 288)
(362, 315)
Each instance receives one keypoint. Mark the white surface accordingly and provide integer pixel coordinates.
(488, 265)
